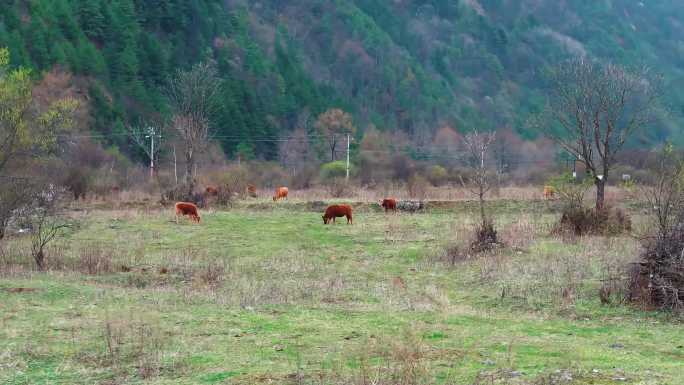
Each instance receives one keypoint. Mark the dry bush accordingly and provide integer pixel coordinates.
(77, 181)
(584, 221)
(269, 174)
(657, 280)
(403, 167)
(485, 238)
(560, 275)
(211, 274)
(12, 259)
(395, 361)
(337, 187)
(417, 186)
(94, 260)
(454, 254)
(135, 343)
(179, 194)
(303, 177)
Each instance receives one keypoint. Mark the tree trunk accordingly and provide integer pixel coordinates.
(40, 259)
(333, 144)
(189, 164)
(600, 193)
(482, 209)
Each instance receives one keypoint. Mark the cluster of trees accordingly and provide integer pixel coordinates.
(409, 67)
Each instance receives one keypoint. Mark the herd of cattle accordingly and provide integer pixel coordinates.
(331, 212)
(190, 210)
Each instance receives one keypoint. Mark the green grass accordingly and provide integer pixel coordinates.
(299, 301)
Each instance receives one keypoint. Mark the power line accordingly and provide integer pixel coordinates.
(432, 152)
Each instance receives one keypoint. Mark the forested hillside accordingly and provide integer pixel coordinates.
(402, 65)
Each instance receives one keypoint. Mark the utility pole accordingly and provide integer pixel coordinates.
(348, 139)
(150, 134)
(152, 152)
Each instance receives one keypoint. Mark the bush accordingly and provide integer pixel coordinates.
(485, 238)
(570, 190)
(657, 281)
(403, 167)
(417, 186)
(438, 175)
(303, 178)
(333, 177)
(337, 187)
(232, 184)
(77, 181)
(584, 221)
(333, 170)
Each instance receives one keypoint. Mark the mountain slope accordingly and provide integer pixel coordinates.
(401, 65)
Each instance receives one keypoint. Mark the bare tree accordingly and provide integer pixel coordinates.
(47, 221)
(477, 145)
(193, 97)
(597, 107)
(294, 151)
(666, 194)
(333, 125)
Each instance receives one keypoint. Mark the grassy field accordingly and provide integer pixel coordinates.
(264, 295)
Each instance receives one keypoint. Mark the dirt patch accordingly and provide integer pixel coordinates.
(20, 289)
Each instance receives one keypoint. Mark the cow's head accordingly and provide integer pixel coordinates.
(325, 220)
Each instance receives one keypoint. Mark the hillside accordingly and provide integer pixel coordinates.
(402, 65)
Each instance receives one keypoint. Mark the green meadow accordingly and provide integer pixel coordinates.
(269, 295)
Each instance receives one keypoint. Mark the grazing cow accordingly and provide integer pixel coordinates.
(251, 190)
(549, 192)
(389, 204)
(280, 193)
(211, 191)
(189, 209)
(337, 211)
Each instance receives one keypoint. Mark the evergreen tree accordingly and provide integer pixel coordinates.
(91, 19)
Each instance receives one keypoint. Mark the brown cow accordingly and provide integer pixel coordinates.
(337, 211)
(389, 204)
(211, 191)
(549, 192)
(189, 209)
(280, 193)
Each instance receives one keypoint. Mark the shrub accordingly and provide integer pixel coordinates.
(417, 186)
(333, 177)
(333, 170)
(303, 178)
(403, 167)
(337, 187)
(584, 221)
(485, 238)
(580, 220)
(232, 184)
(570, 190)
(77, 181)
(658, 279)
(438, 175)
